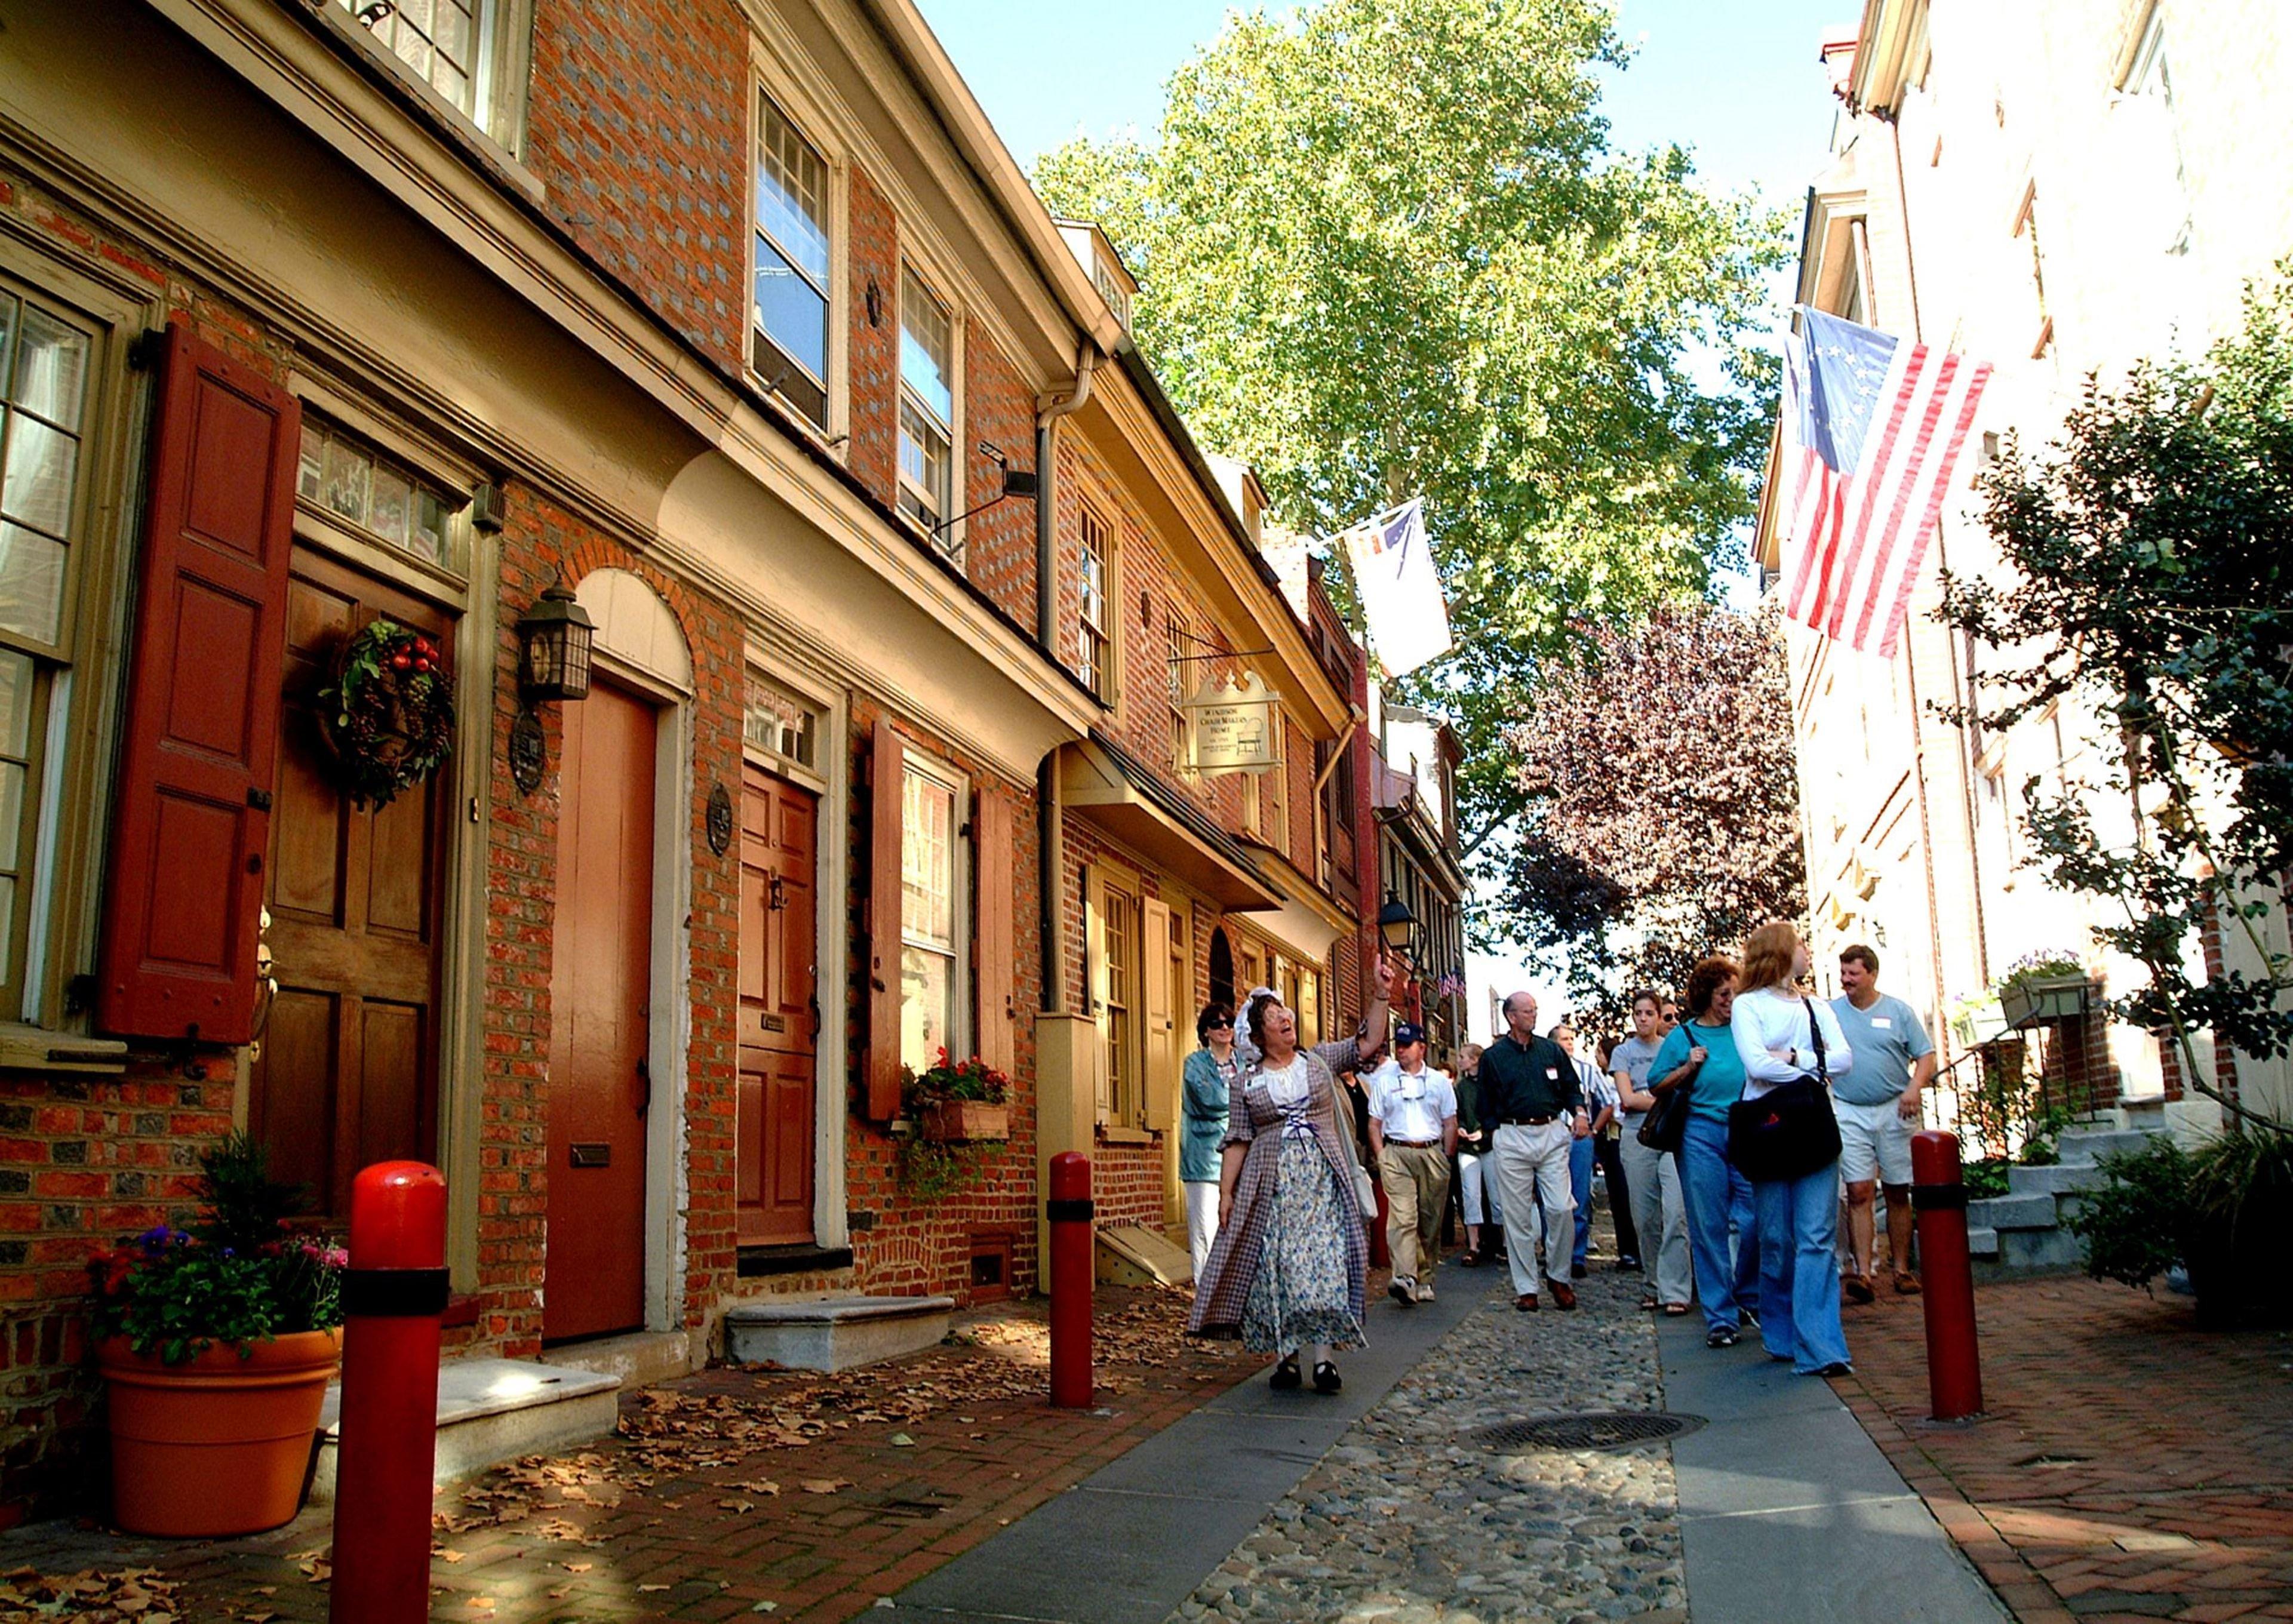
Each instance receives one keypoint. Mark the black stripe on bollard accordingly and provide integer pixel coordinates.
(394, 1293)
(1055, 1209)
(1938, 1198)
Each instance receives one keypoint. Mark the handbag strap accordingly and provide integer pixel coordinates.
(1815, 1034)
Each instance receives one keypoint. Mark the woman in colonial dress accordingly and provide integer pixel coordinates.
(1289, 1270)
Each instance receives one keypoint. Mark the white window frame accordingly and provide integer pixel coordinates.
(500, 69)
(943, 532)
(1095, 660)
(809, 126)
(916, 763)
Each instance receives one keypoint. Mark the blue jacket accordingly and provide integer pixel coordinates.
(1203, 1119)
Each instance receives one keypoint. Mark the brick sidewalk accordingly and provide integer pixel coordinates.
(2130, 1466)
(728, 1494)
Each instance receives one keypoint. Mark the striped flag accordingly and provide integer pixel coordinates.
(1873, 426)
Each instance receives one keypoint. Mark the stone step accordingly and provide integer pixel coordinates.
(834, 1333)
(2092, 1144)
(2058, 1180)
(2030, 1251)
(2005, 1212)
(1981, 1242)
(491, 1410)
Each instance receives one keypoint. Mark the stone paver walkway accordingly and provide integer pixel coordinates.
(2130, 1466)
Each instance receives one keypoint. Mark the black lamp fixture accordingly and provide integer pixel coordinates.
(1396, 923)
(1017, 482)
(554, 641)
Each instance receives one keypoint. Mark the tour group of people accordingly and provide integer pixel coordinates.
(1283, 1149)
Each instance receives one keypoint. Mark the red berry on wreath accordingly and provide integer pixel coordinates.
(400, 662)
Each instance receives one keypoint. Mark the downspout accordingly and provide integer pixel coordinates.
(1050, 842)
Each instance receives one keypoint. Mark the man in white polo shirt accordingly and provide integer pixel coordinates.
(1878, 1109)
(1413, 1131)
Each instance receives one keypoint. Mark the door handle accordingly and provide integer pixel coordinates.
(644, 1076)
(776, 899)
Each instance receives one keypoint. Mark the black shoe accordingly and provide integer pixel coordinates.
(1577, 1270)
(1749, 1317)
(1285, 1375)
(1326, 1378)
(1501, 1256)
(1399, 1292)
(1628, 1265)
(1721, 1337)
(1837, 1367)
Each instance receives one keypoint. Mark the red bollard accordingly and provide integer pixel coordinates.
(1070, 1212)
(393, 1296)
(1939, 1198)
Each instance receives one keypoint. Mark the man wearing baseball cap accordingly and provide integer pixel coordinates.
(1413, 1131)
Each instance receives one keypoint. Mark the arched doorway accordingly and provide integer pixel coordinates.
(1222, 968)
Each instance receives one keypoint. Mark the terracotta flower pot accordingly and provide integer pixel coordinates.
(220, 1445)
(965, 1120)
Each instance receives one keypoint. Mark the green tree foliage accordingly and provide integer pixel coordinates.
(2150, 554)
(1386, 251)
(1664, 820)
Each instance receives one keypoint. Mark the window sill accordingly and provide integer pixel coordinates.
(1108, 1135)
(32, 1049)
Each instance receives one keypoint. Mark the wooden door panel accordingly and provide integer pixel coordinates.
(778, 973)
(347, 1072)
(600, 992)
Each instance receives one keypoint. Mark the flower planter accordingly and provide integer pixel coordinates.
(2041, 1001)
(958, 1119)
(219, 1445)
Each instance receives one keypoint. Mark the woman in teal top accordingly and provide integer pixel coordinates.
(1210, 1072)
(1700, 1055)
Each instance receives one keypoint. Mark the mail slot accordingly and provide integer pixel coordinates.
(593, 1155)
(774, 1023)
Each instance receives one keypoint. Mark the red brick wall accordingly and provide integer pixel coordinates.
(999, 542)
(874, 347)
(639, 128)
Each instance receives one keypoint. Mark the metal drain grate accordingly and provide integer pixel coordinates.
(1598, 1429)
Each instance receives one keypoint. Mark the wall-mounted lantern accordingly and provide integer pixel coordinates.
(1396, 923)
(554, 642)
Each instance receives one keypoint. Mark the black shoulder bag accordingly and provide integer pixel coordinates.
(1790, 1131)
(1666, 1122)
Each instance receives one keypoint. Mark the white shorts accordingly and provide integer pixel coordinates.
(1872, 1139)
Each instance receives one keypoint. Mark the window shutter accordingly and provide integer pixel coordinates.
(1163, 1057)
(996, 961)
(200, 738)
(1095, 978)
(886, 773)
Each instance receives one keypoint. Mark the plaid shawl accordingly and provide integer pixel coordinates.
(1254, 1120)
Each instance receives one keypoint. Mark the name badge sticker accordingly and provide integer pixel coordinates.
(1882, 1022)
(1553, 1072)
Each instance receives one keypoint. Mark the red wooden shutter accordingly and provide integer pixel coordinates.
(887, 770)
(992, 840)
(200, 736)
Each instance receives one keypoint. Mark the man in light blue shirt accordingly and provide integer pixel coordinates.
(1878, 1105)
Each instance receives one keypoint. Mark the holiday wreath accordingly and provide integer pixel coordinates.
(389, 712)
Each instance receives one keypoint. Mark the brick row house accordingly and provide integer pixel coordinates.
(737, 324)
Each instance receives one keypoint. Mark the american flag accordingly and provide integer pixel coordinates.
(1873, 426)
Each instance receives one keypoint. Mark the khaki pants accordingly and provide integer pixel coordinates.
(1416, 1195)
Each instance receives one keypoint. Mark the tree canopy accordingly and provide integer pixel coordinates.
(1664, 822)
(1386, 250)
(2150, 554)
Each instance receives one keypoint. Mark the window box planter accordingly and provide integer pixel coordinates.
(951, 1121)
(2045, 1000)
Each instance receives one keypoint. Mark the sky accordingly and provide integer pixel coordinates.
(1735, 82)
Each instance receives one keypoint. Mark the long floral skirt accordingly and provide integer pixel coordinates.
(1302, 1293)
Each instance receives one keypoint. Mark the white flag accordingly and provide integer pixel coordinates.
(1400, 589)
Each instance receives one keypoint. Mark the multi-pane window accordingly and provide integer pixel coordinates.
(441, 42)
(928, 967)
(1122, 934)
(1182, 665)
(343, 479)
(779, 724)
(1092, 655)
(789, 340)
(926, 406)
(46, 361)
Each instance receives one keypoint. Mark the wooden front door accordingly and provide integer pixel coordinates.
(780, 1015)
(347, 1069)
(600, 990)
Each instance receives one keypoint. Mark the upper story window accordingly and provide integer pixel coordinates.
(345, 480)
(1095, 651)
(1180, 668)
(927, 407)
(441, 43)
(789, 334)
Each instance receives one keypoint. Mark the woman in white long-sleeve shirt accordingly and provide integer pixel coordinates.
(1798, 1217)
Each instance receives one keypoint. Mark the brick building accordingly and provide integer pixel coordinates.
(732, 319)
(2059, 189)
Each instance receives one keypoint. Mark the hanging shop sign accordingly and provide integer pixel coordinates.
(1231, 726)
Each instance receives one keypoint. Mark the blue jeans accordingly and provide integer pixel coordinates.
(1580, 1191)
(1798, 1276)
(1717, 1196)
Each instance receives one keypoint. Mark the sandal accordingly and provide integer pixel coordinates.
(1907, 1284)
(1720, 1337)
(1649, 1303)
(1674, 1311)
(1285, 1375)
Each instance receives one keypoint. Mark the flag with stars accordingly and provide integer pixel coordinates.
(1873, 427)
(1400, 588)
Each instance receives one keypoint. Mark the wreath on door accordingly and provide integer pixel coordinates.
(388, 714)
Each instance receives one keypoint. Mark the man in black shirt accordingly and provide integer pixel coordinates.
(1529, 1093)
